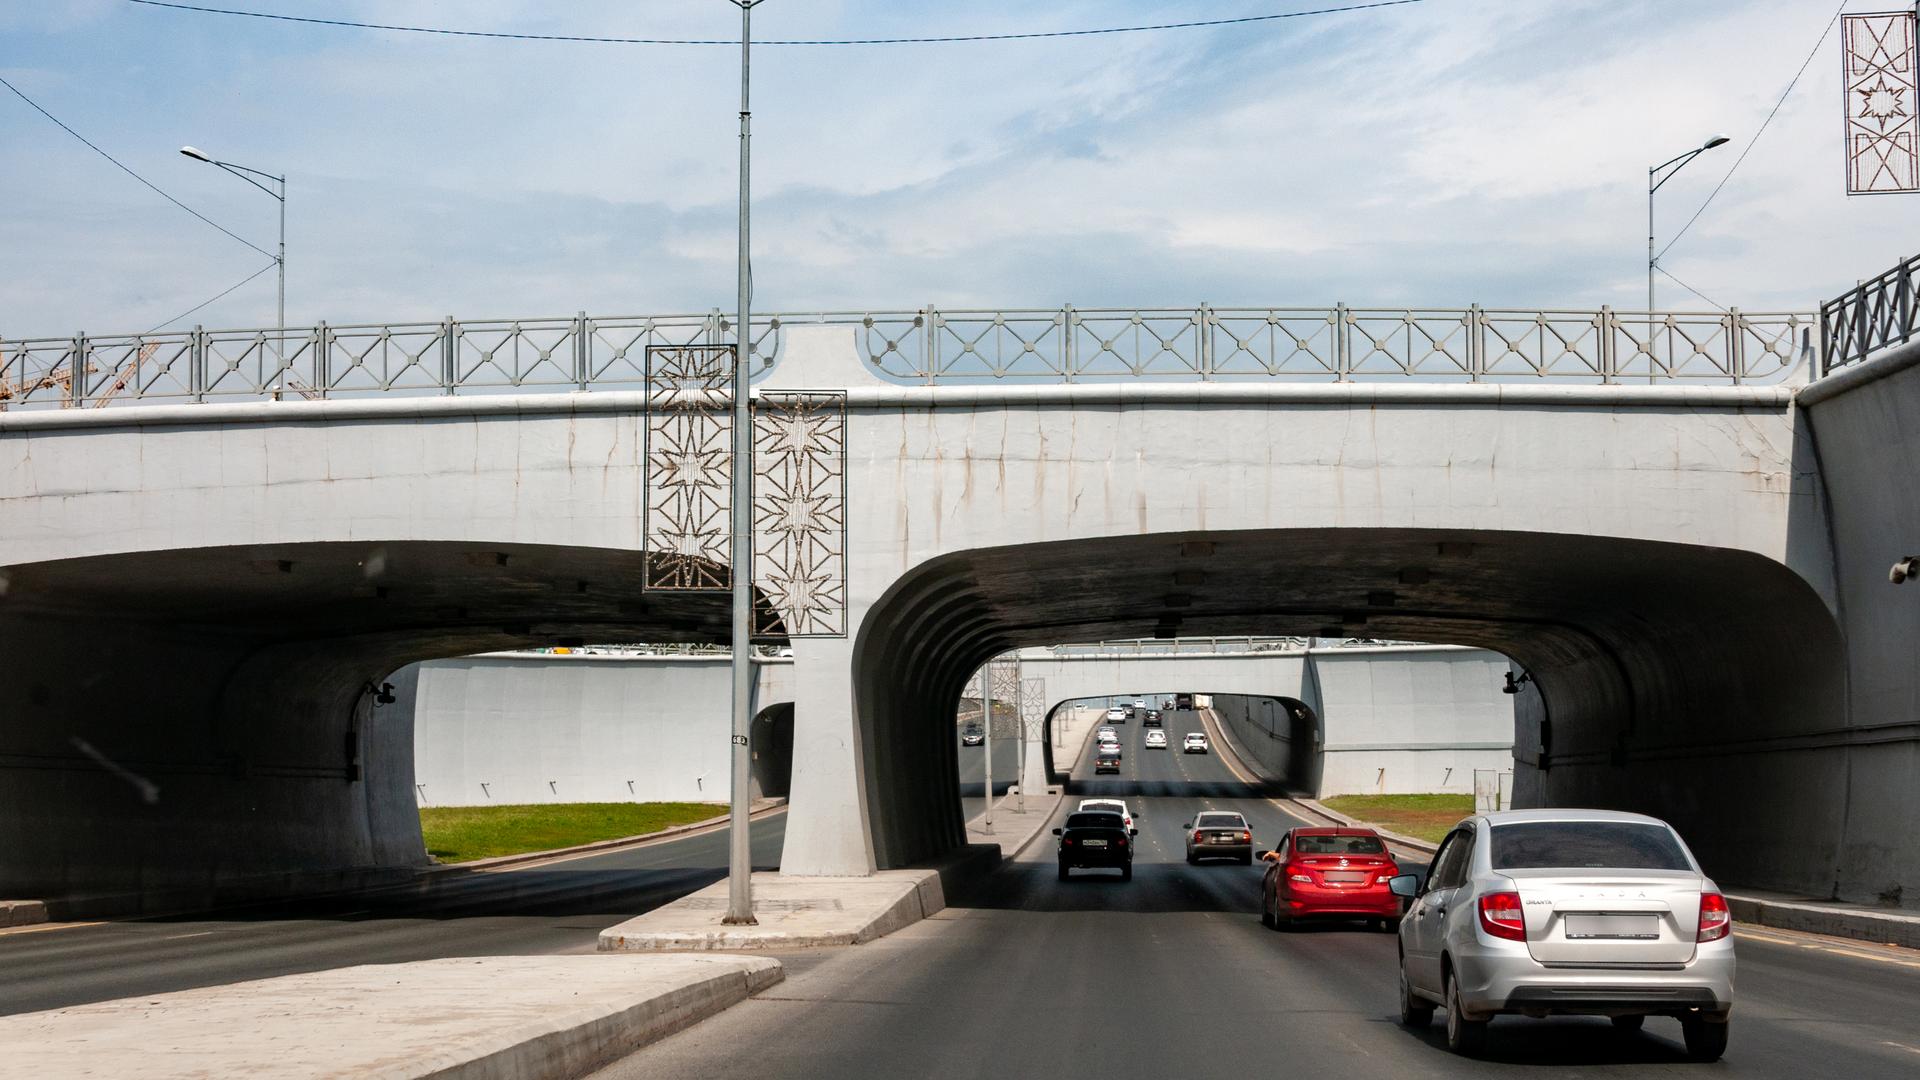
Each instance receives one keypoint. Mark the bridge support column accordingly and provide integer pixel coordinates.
(827, 828)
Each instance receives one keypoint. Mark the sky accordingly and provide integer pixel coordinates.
(1434, 154)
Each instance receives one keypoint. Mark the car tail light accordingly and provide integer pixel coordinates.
(1123, 841)
(1716, 920)
(1501, 917)
(1066, 841)
(1297, 872)
(1246, 838)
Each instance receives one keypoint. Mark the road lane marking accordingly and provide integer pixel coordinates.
(1779, 937)
(178, 937)
(1903, 1046)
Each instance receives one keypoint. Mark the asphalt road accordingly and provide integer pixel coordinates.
(973, 763)
(1173, 976)
(555, 907)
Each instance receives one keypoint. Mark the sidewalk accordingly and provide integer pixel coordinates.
(815, 912)
(1013, 828)
(470, 1018)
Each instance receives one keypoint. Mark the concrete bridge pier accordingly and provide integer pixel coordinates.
(828, 834)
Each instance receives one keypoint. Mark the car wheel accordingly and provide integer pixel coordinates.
(1063, 871)
(1466, 1037)
(1385, 926)
(1266, 913)
(1126, 872)
(1629, 1023)
(1191, 861)
(1415, 1012)
(1247, 859)
(1706, 1040)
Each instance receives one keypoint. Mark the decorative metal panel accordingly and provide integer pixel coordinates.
(799, 511)
(689, 455)
(1033, 707)
(1883, 155)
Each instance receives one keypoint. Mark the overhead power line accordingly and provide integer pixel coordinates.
(214, 297)
(123, 168)
(1756, 135)
(942, 40)
(1718, 306)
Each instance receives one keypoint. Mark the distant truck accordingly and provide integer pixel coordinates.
(1183, 701)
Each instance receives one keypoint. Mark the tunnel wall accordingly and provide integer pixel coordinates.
(212, 770)
(1865, 424)
(540, 728)
(1280, 745)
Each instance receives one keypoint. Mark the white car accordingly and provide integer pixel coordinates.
(1116, 806)
(1194, 743)
(1566, 911)
(1105, 733)
(1139, 703)
(1116, 715)
(1156, 739)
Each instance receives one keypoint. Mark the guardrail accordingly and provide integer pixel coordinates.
(1190, 646)
(928, 346)
(1877, 314)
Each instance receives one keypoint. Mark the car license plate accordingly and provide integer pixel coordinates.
(1225, 838)
(1631, 927)
(1096, 843)
(1345, 877)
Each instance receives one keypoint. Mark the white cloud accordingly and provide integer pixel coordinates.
(1438, 154)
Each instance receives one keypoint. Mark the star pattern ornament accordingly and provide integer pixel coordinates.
(1882, 139)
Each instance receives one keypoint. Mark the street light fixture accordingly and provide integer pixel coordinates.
(1654, 183)
(280, 260)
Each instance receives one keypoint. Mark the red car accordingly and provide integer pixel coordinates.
(1329, 872)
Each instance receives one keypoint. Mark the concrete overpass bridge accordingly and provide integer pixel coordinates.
(1676, 545)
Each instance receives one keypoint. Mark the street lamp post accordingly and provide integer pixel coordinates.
(739, 850)
(280, 260)
(1654, 183)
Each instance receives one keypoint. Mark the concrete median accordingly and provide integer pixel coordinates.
(470, 1019)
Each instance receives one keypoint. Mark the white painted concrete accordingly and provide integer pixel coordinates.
(539, 728)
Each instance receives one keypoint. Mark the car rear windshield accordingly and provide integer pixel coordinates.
(1339, 845)
(1101, 808)
(1220, 821)
(1095, 821)
(1622, 845)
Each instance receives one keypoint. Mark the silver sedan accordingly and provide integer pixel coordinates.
(1540, 912)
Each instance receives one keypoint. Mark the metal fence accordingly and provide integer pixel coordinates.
(1877, 314)
(1203, 646)
(929, 346)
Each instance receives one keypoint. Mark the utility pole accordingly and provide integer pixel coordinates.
(986, 713)
(739, 846)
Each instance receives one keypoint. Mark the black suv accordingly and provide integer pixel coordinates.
(1096, 838)
(1153, 718)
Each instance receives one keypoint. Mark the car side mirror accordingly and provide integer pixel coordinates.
(1133, 832)
(1186, 825)
(1056, 832)
(1406, 885)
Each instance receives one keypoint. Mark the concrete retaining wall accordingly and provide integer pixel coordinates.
(536, 728)
(1865, 426)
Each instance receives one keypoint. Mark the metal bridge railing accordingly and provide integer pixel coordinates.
(933, 346)
(1877, 314)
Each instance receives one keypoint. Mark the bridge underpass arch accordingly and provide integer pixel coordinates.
(198, 725)
(1286, 759)
(1662, 677)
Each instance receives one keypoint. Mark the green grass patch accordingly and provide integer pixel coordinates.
(1424, 817)
(462, 833)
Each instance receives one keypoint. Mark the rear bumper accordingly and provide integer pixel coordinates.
(1499, 980)
(1373, 902)
(1082, 861)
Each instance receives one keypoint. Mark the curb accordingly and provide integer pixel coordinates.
(1830, 921)
(22, 912)
(773, 806)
